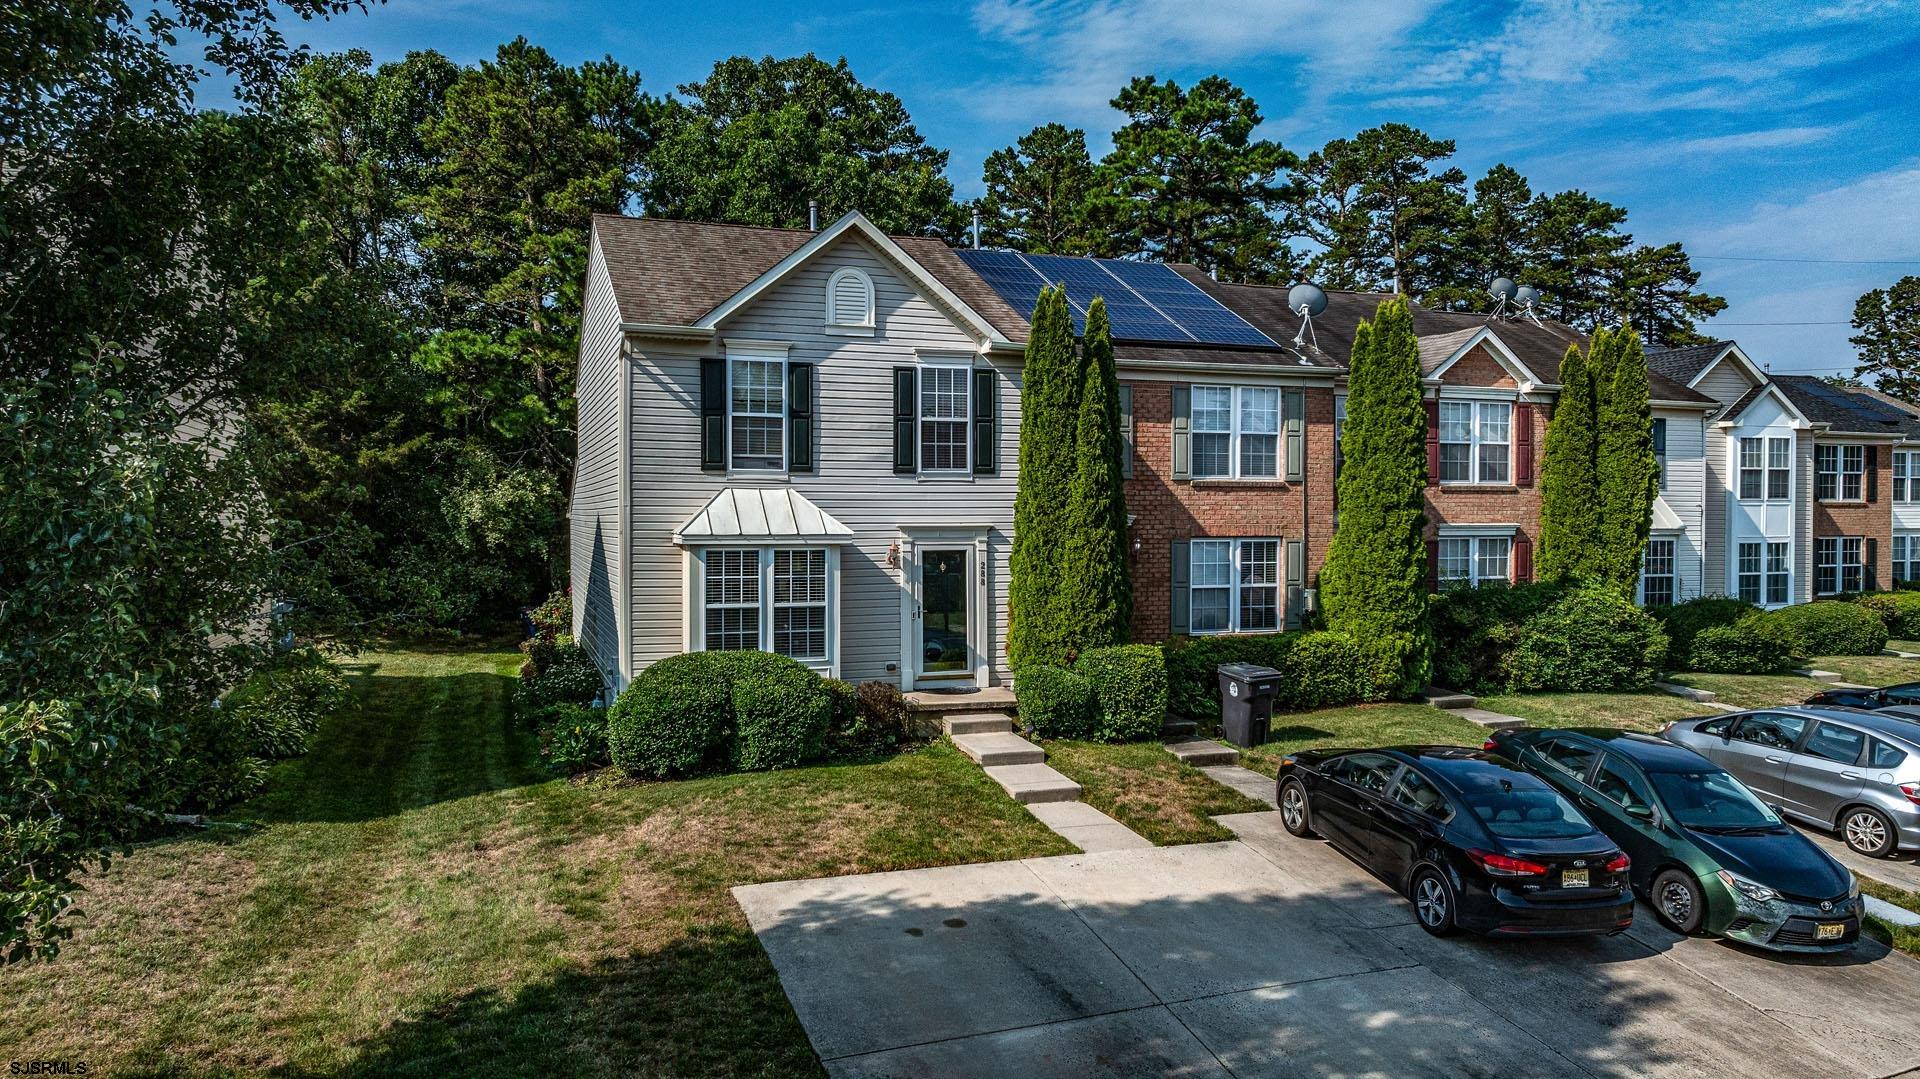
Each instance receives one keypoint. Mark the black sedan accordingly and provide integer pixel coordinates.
(1475, 842)
(1906, 693)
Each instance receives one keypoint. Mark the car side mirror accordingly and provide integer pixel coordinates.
(1777, 811)
(1642, 812)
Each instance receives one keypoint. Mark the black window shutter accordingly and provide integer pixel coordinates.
(986, 428)
(1660, 437)
(800, 417)
(713, 415)
(905, 410)
(1180, 577)
(1870, 578)
(1126, 431)
(1873, 473)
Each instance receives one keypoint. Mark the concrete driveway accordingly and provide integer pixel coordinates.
(1277, 956)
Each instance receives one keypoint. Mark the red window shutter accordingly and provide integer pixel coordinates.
(1433, 565)
(1522, 559)
(1523, 445)
(1433, 443)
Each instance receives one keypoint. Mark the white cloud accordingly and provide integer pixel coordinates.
(1766, 139)
(1873, 217)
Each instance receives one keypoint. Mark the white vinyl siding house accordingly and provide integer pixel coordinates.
(1678, 541)
(598, 512)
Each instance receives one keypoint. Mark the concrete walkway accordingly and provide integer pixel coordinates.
(1276, 956)
(1020, 768)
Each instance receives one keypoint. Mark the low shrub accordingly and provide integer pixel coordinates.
(1754, 645)
(866, 719)
(781, 711)
(218, 764)
(674, 719)
(1129, 690)
(553, 617)
(1831, 628)
(568, 677)
(1591, 639)
(278, 710)
(1193, 663)
(1055, 703)
(574, 737)
(1321, 669)
(1685, 621)
(1899, 610)
(1475, 629)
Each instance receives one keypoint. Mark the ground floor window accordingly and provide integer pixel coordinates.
(1761, 574)
(1838, 565)
(1235, 585)
(1471, 560)
(772, 599)
(1656, 574)
(1906, 553)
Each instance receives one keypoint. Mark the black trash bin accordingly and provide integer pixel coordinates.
(1246, 702)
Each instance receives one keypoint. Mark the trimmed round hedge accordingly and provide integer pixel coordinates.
(1899, 610)
(1054, 703)
(1592, 639)
(1684, 623)
(675, 718)
(1129, 690)
(1754, 645)
(1832, 628)
(781, 711)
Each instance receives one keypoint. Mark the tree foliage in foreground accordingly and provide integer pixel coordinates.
(1049, 402)
(1374, 583)
(1569, 483)
(1095, 600)
(1624, 465)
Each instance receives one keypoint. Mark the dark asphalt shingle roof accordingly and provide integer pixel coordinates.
(1850, 409)
(1683, 364)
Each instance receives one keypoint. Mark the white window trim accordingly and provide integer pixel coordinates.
(763, 352)
(696, 635)
(1821, 562)
(1673, 569)
(1911, 541)
(1233, 432)
(1765, 574)
(863, 328)
(1906, 471)
(1234, 547)
(925, 364)
(1472, 538)
(1841, 473)
(1766, 467)
(1476, 405)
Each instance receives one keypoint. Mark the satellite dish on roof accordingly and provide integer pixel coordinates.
(1502, 288)
(1306, 299)
(1527, 297)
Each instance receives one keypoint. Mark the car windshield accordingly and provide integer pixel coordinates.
(1516, 806)
(1712, 801)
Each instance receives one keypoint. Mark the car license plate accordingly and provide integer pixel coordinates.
(1573, 878)
(1829, 930)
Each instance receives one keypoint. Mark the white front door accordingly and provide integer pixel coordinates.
(944, 640)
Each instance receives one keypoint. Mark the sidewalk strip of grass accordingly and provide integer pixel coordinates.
(1361, 725)
(1645, 710)
(1149, 790)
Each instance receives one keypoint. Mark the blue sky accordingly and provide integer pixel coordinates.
(1777, 131)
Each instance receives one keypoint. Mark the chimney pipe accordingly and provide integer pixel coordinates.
(976, 228)
(813, 214)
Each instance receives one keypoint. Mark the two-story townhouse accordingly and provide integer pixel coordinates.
(806, 442)
(1857, 435)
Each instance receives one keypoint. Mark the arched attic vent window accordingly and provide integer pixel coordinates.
(850, 300)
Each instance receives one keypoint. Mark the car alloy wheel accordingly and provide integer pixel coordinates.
(1433, 903)
(1676, 899)
(1868, 832)
(1293, 808)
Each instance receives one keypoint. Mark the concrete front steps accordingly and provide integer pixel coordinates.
(1016, 764)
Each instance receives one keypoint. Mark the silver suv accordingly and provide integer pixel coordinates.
(1839, 768)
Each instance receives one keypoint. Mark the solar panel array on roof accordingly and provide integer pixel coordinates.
(1145, 301)
(1858, 403)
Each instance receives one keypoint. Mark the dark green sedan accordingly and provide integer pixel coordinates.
(1708, 855)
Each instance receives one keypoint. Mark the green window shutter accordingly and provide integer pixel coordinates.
(800, 417)
(1126, 431)
(986, 426)
(1183, 432)
(713, 415)
(1296, 582)
(1293, 408)
(905, 411)
(1180, 577)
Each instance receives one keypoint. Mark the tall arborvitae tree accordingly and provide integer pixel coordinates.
(1627, 471)
(1374, 582)
(1048, 398)
(1569, 486)
(1094, 604)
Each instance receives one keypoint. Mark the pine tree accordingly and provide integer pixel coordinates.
(1627, 472)
(1094, 604)
(1374, 583)
(1569, 486)
(1048, 397)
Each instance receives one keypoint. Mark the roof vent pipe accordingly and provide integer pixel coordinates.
(976, 228)
(813, 215)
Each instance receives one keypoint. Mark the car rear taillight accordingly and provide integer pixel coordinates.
(1489, 745)
(1912, 791)
(1620, 863)
(1505, 865)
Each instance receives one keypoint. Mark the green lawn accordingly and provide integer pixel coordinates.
(1645, 710)
(1361, 725)
(1905, 938)
(1149, 790)
(1904, 646)
(1869, 670)
(420, 897)
(1751, 690)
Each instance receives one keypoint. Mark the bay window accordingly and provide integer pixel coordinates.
(1235, 432)
(1766, 469)
(1465, 561)
(1234, 585)
(1839, 473)
(774, 599)
(1778, 577)
(1906, 557)
(1476, 442)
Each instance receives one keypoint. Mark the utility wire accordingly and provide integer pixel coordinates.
(1821, 262)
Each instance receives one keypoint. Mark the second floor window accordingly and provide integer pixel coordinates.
(1839, 473)
(1660, 449)
(1906, 476)
(1476, 442)
(943, 418)
(1766, 469)
(757, 406)
(1236, 432)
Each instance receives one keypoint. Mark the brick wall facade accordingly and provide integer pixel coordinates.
(1871, 520)
(1516, 503)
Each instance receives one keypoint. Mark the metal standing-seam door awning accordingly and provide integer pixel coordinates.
(761, 514)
